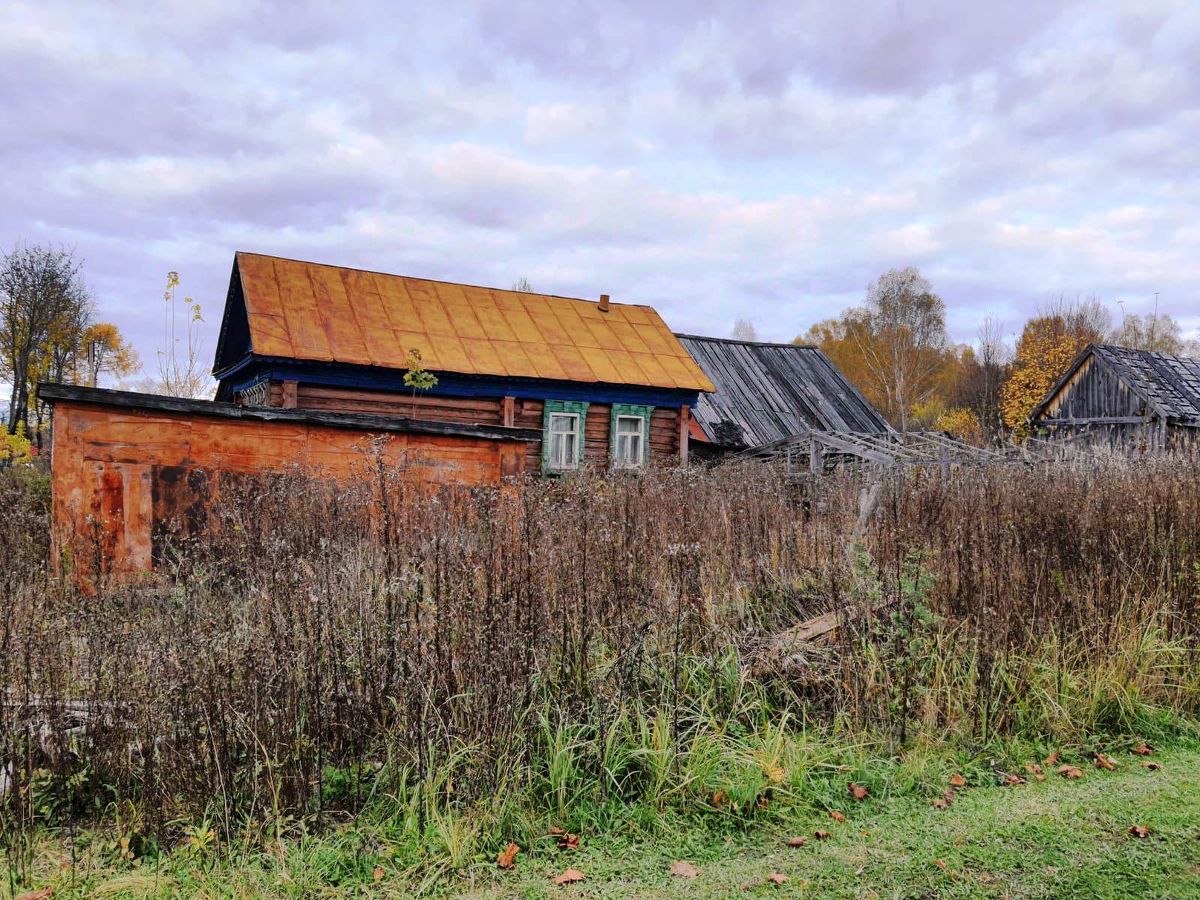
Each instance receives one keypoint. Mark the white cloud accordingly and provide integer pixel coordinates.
(711, 162)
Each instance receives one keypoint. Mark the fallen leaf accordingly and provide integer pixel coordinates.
(957, 780)
(1013, 779)
(777, 878)
(684, 869)
(1033, 768)
(1143, 749)
(1051, 759)
(567, 841)
(821, 835)
(949, 796)
(939, 803)
(857, 791)
(837, 815)
(940, 863)
(1140, 831)
(377, 873)
(719, 798)
(1152, 765)
(570, 877)
(763, 802)
(800, 841)
(507, 855)
(1069, 772)
(42, 894)
(1104, 762)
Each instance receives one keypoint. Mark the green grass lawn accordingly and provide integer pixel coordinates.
(1054, 839)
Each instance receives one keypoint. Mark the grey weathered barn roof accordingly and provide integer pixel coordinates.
(1170, 385)
(766, 392)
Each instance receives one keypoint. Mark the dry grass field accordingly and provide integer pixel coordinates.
(377, 690)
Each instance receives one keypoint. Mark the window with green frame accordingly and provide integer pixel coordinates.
(563, 424)
(629, 436)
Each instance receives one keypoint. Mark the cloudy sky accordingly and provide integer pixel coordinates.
(717, 160)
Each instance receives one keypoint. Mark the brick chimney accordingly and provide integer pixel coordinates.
(604, 303)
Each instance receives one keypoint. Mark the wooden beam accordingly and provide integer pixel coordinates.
(684, 433)
(289, 395)
(509, 411)
(1097, 420)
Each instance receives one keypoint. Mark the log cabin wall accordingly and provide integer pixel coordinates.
(664, 436)
(430, 407)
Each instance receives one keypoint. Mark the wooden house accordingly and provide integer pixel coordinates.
(602, 384)
(766, 393)
(1133, 399)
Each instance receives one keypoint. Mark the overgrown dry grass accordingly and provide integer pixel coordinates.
(589, 641)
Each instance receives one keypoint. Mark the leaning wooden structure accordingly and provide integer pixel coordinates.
(814, 452)
(1126, 399)
(770, 393)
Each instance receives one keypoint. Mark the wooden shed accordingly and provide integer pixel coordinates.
(1125, 398)
(603, 384)
(766, 393)
(131, 471)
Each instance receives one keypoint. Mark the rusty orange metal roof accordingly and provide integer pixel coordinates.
(311, 311)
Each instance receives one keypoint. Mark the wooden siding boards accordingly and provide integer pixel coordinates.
(1121, 396)
(1167, 386)
(767, 392)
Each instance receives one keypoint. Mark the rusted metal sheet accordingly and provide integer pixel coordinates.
(307, 311)
(125, 478)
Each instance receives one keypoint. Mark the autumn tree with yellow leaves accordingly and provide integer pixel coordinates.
(47, 332)
(1047, 346)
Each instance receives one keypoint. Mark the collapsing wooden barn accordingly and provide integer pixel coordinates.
(1123, 398)
(790, 401)
(769, 392)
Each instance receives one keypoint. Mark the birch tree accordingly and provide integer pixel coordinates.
(44, 308)
(901, 333)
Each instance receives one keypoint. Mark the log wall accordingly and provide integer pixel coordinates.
(664, 421)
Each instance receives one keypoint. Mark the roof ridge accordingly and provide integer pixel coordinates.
(704, 337)
(466, 284)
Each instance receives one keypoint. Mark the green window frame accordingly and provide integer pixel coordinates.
(562, 447)
(621, 440)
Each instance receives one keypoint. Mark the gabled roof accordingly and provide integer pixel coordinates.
(318, 313)
(766, 392)
(1170, 385)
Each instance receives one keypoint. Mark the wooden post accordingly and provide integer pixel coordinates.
(684, 433)
(510, 415)
(289, 395)
(816, 459)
